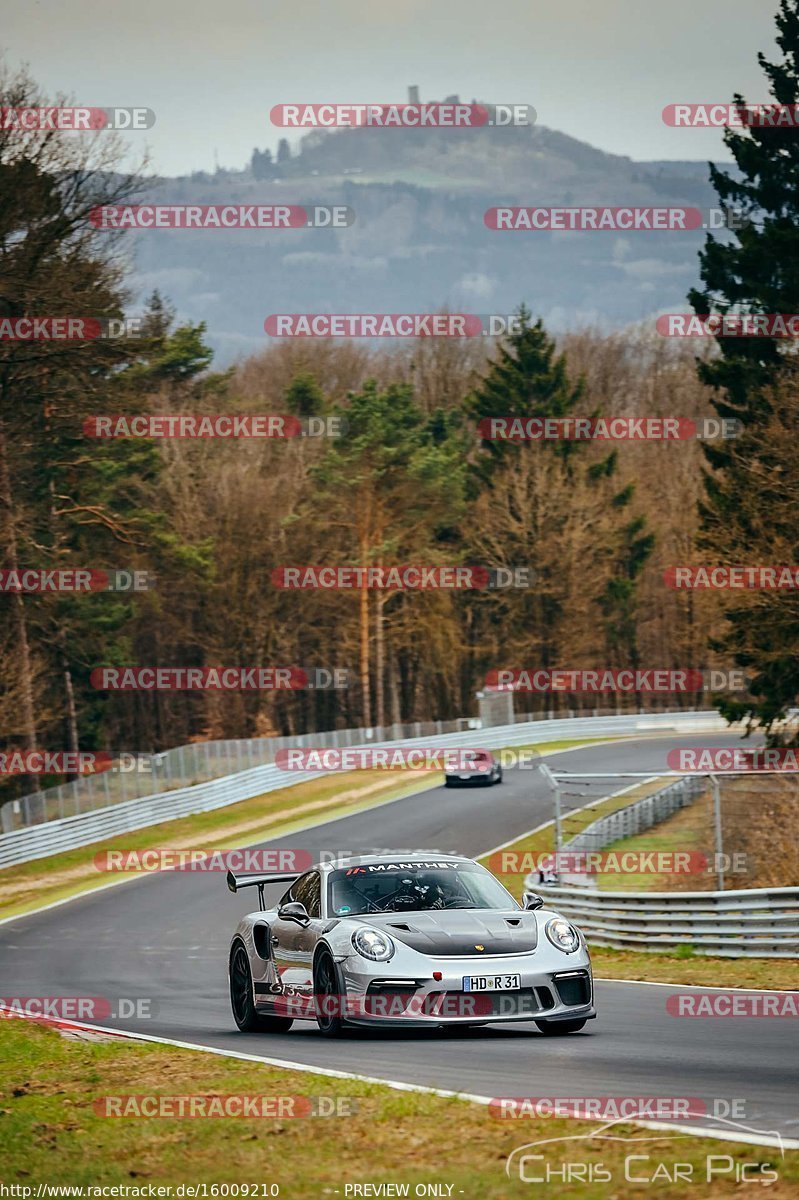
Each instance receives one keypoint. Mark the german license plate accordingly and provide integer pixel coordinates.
(491, 983)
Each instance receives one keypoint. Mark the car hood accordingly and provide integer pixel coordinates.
(450, 932)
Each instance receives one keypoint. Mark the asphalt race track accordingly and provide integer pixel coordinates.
(166, 937)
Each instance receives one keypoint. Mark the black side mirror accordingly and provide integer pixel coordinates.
(294, 911)
(533, 900)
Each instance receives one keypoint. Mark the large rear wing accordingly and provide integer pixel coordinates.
(260, 880)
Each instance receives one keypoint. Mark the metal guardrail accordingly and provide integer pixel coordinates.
(748, 923)
(140, 775)
(68, 833)
(635, 818)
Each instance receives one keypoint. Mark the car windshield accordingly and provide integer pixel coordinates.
(408, 887)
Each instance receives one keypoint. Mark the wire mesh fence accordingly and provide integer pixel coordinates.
(133, 776)
(700, 833)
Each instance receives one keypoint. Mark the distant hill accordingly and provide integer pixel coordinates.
(419, 242)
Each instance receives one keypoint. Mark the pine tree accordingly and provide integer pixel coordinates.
(304, 397)
(756, 270)
(527, 379)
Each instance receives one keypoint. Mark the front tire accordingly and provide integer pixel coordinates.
(245, 1014)
(329, 993)
(560, 1028)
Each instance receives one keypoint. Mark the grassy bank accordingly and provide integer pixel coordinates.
(52, 1132)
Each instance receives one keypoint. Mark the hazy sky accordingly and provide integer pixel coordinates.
(599, 70)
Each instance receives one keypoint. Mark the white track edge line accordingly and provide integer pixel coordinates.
(399, 1085)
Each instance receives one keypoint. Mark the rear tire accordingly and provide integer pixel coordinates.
(449, 782)
(329, 993)
(245, 1014)
(560, 1028)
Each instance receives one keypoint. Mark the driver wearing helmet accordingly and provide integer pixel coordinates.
(414, 892)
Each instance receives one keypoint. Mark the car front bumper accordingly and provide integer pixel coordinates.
(474, 777)
(382, 998)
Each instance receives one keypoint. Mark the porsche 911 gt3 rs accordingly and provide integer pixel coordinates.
(404, 940)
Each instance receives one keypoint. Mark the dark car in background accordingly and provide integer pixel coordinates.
(475, 767)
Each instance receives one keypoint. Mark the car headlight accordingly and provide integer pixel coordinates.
(371, 943)
(562, 934)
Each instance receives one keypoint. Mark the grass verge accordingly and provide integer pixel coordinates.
(53, 1134)
(542, 841)
(774, 974)
(61, 876)
(762, 852)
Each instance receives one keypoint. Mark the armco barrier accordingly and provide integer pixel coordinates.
(133, 776)
(53, 837)
(748, 923)
(639, 816)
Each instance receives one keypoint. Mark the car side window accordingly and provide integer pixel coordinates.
(308, 891)
(290, 893)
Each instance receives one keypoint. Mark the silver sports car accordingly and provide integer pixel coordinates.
(419, 939)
